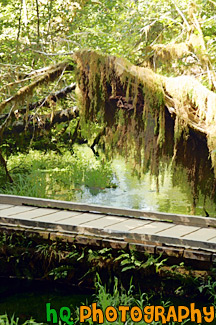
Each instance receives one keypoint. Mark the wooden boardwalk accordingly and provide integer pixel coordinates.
(188, 237)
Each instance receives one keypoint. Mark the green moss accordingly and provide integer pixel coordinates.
(102, 78)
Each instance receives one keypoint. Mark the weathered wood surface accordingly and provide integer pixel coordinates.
(101, 225)
(176, 218)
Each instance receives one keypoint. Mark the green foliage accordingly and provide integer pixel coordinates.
(132, 260)
(114, 27)
(54, 176)
(5, 320)
(121, 297)
(209, 289)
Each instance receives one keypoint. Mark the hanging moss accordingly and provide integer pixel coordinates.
(50, 75)
(195, 108)
(133, 107)
(122, 97)
(166, 52)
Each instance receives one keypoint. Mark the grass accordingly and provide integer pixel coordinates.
(121, 297)
(103, 299)
(5, 320)
(118, 278)
(51, 175)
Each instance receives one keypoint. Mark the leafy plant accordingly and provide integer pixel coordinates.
(5, 320)
(131, 261)
(49, 253)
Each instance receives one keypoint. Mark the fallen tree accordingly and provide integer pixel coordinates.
(37, 122)
(47, 101)
(102, 78)
(122, 97)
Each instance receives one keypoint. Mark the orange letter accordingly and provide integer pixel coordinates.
(82, 314)
(197, 312)
(136, 314)
(160, 313)
(149, 311)
(180, 316)
(171, 314)
(209, 317)
(97, 312)
(111, 314)
(123, 310)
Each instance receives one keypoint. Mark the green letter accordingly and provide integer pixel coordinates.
(50, 311)
(65, 318)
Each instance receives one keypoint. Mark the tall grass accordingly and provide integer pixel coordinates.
(121, 297)
(52, 175)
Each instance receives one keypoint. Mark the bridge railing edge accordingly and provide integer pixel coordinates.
(131, 213)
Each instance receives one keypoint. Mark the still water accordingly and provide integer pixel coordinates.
(164, 193)
(131, 192)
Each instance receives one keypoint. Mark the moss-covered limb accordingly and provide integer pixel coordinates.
(47, 102)
(193, 103)
(22, 78)
(192, 54)
(105, 80)
(180, 58)
(196, 44)
(53, 98)
(39, 122)
(102, 79)
(165, 52)
(50, 75)
(190, 100)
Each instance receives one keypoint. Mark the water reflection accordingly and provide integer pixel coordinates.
(148, 192)
(129, 106)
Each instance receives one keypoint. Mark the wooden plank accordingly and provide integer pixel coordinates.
(128, 237)
(100, 242)
(176, 218)
(152, 228)
(128, 224)
(57, 216)
(103, 222)
(178, 231)
(150, 237)
(196, 255)
(16, 210)
(88, 241)
(110, 227)
(32, 213)
(202, 234)
(81, 219)
(212, 240)
(143, 248)
(170, 251)
(5, 206)
(114, 244)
